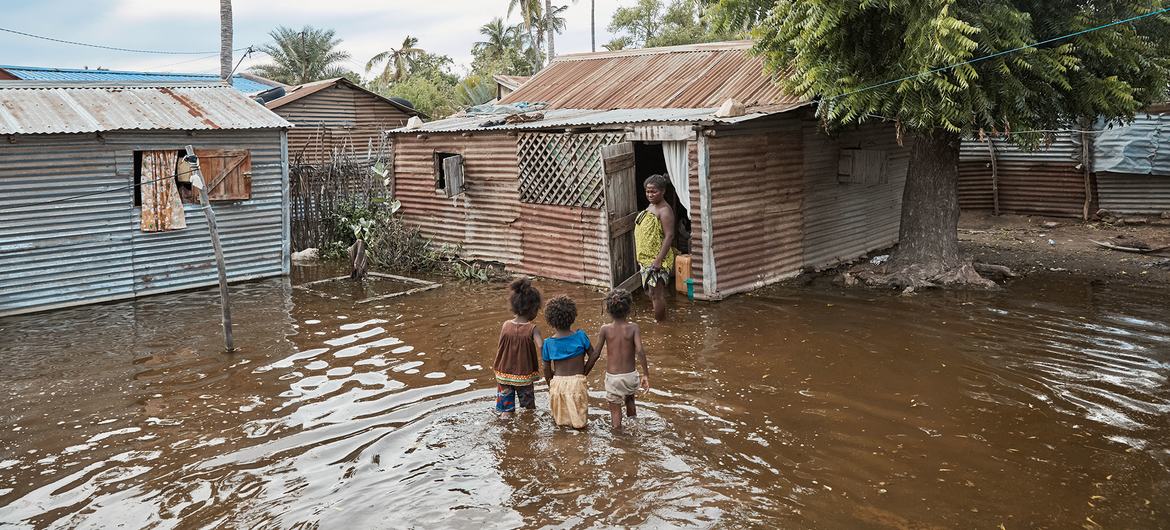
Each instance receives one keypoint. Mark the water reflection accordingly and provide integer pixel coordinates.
(1044, 405)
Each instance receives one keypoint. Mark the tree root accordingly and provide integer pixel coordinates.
(915, 277)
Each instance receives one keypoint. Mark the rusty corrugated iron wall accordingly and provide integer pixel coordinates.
(337, 117)
(1128, 193)
(91, 249)
(1048, 181)
(488, 220)
(846, 220)
(756, 175)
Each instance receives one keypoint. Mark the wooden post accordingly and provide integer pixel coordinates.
(994, 176)
(197, 181)
(1087, 165)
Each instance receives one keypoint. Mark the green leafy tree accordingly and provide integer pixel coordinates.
(651, 23)
(398, 61)
(430, 96)
(943, 69)
(302, 56)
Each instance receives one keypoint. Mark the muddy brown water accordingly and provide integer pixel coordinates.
(1044, 405)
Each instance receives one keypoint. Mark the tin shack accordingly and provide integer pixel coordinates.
(551, 189)
(337, 114)
(96, 204)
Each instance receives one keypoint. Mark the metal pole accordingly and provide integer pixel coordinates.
(197, 181)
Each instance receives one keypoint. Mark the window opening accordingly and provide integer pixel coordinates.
(440, 173)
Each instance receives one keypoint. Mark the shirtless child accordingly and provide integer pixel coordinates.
(623, 343)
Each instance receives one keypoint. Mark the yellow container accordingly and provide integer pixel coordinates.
(682, 271)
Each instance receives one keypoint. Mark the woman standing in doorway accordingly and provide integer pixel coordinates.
(654, 232)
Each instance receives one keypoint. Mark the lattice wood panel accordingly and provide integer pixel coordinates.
(563, 169)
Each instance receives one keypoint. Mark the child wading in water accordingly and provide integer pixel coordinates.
(568, 358)
(622, 342)
(517, 366)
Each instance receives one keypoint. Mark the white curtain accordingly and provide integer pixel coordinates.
(676, 164)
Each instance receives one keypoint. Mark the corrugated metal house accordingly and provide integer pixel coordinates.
(553, 193)
(336, 113)
(1123, 169)
(244, 82)
(506, 84)
(95, 204)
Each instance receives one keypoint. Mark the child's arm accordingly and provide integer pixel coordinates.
(539, 345)
(641, 354)
(595, 351)
(548, 371)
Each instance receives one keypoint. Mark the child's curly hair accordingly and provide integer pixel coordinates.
(525, 299)
(560, 312)
(618, 302)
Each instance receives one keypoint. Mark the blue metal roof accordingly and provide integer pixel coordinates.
(36, 73)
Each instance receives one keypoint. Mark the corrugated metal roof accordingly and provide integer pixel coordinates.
(244, 83)
(294, 93)
(693, 76)
(28, 107)
(559, 118)
(511, 82)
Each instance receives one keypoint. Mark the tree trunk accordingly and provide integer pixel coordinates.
(225, 40)
(929, 235)
(552, 34)
(928, 252)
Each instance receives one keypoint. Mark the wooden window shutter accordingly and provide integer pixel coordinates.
(453, 174)
(228, 173)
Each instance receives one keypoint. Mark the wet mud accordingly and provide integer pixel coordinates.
(1043, 405)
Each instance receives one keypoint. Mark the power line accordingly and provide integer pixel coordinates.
(1005, 52)
(103, 47)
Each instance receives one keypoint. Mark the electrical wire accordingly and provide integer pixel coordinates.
(103, 47)
(1005, 52)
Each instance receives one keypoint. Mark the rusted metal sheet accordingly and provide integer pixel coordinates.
(695, 212)
(337, 116)
(1048, 181)
(28, 107)
(488, 220)
(845, 220)
(92, 249)
(692, 76)
(1133, 194)
(756, 194)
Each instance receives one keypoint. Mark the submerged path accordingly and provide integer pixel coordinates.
(1044, 405)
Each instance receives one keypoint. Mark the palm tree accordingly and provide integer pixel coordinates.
(499, 39)
(303, 56)
(530, 12)
(550, 24)
(398, 61)
(225, 39)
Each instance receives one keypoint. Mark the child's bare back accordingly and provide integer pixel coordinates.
(619, 337)
(623, 352)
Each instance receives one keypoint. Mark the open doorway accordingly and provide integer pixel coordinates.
(649, 159)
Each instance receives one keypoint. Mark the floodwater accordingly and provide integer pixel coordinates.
(1044, 405)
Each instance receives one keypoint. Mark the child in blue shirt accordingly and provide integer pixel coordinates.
(568, 357)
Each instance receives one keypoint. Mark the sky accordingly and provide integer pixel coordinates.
(365, 27)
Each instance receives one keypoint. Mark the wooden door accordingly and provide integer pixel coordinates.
(621, 206)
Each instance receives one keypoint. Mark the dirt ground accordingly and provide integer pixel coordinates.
(1029, 244)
